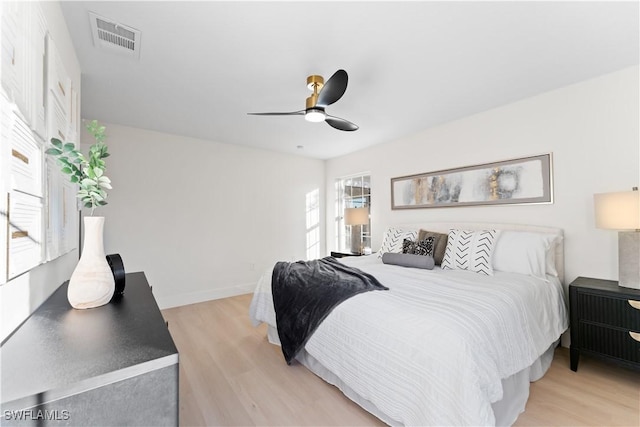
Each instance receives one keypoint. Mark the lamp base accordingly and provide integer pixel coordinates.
(629, 259)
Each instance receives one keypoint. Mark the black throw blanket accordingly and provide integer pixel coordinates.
(305, 292)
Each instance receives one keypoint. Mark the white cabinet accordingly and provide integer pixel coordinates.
(38, 53)
(25, 241)
(61, 213)
(22, 190)
(23, 37)
(74, 116)
(57, 123)
(60, 98)
(38, 207)
(62, 122)
(58, 82)
(26, 158)
(25, 233)
(13, 51)
(6, 115)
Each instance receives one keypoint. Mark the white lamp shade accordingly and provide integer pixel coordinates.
(356, 216)
(618, 211)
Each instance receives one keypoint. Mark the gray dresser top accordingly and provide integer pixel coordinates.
(59, 350)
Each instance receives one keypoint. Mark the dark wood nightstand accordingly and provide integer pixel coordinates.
(605, 322)
(344, 254)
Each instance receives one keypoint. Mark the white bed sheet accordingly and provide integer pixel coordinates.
(434, 349)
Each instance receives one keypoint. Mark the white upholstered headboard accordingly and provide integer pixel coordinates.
(444, 227)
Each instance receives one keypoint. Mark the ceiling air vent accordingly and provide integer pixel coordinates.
(114, 37)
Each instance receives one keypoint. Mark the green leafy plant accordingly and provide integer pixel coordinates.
(88, 173)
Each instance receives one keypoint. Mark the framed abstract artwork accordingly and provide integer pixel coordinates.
(516, 181)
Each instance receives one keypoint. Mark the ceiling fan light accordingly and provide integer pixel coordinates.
(314, 115)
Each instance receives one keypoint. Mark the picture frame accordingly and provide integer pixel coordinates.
(525, 180)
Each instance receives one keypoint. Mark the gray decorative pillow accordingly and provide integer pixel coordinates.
(408, 260)
(439, 246)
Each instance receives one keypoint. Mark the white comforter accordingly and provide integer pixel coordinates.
(434, 348)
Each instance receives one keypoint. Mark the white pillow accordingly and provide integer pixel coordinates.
(470, 250)
(525, 252)
(551, 255)
(392, 240)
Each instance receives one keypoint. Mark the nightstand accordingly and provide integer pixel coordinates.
(344, 254)
(605, 322)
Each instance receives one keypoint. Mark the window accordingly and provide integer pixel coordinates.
(313, 224)
(352, 192)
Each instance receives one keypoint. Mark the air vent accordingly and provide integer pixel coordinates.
(114, 37)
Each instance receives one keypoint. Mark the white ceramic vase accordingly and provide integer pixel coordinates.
(92, 283)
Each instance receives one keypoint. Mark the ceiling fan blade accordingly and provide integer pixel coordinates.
(340, 124)
(333, 89)
(293, 113)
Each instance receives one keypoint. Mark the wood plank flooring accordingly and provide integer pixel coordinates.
(231, 376)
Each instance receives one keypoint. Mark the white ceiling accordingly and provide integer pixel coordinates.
(411, 65)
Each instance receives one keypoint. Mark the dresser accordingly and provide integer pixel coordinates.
(605, 322)
(111, 365)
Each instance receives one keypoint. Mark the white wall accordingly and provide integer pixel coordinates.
(203, 219)
(592, 130)
(22, 295)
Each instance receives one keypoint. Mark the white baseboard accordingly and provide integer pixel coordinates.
(201, 296)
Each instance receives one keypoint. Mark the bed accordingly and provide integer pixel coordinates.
(442, 346)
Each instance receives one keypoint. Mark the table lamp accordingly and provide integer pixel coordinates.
(621, 211)
(357, 216)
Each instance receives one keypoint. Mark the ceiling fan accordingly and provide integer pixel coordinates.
(323, 94)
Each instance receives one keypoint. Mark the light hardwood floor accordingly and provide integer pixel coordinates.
(230, 375)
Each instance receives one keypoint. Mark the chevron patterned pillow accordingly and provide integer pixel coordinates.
(470, 250)
(393, 238)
